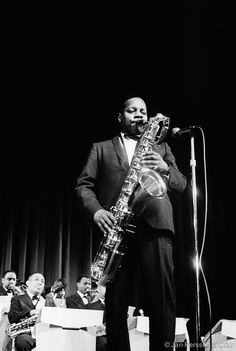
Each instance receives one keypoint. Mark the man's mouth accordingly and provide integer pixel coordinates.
(138, 121)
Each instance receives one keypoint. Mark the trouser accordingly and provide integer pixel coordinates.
(151, 255)
(24, 342)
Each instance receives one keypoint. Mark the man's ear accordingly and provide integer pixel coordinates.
(27, 282)
(119, 117)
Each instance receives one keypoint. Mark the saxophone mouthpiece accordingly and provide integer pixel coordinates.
(140, 125)
(141, 122)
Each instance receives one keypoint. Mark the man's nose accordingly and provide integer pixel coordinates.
(138, 115)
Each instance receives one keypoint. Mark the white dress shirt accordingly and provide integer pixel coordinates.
(37, 303)
(129, 146)
(83, 297)
(9, 292)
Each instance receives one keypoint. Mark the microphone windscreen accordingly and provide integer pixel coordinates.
(175, 131)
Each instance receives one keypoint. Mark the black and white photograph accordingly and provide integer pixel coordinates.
(117, 223)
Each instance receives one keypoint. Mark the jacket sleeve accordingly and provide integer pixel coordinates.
(71, 303)
(86, 185)
(177, 181)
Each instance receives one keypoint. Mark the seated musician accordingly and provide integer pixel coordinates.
(8, 283)
(26, 306)
(82, 300)
(7, 289)
(82, 295)
(98, 303)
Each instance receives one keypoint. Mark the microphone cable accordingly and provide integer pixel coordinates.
(198, 266)
(204, 236)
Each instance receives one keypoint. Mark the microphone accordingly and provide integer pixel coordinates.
(176, 132)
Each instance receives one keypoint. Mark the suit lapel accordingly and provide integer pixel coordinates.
(79, 300)
(121, 153)
(3, 292)
(27, 301)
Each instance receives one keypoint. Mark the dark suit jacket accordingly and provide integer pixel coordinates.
(3, 292)
(21, 306)
(102, 177)
(74, 301)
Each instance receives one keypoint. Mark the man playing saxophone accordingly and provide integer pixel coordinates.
(27, 307)
(149, 255)
(7, 288)
(8, 283)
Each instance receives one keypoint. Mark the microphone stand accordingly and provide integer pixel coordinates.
(195, 232)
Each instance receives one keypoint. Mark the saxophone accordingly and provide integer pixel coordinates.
(23, 326)
(140, 183)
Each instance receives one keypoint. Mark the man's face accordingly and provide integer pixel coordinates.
(134, 111)
(84, 286)
(36, 284)
(9, 281)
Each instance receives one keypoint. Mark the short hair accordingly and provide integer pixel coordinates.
(31, 274)
(80, 276)
(8, 271)
(63, 281)
(122, 99)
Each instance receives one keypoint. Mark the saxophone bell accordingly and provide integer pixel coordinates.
(153, 183)
(150, 184)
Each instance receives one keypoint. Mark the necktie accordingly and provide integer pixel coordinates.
(102, 302)
(85, 299)
(35, 300)
(134, 137)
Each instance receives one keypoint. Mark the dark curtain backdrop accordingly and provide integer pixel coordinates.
(61, 93)
(41, 228)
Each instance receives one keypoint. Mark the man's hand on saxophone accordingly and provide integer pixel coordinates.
(152, 159)
(35, 312)
(104, 220)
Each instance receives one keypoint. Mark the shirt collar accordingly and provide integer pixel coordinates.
(31, 295)
(8, 291)
(81, 294)
(126, 136)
